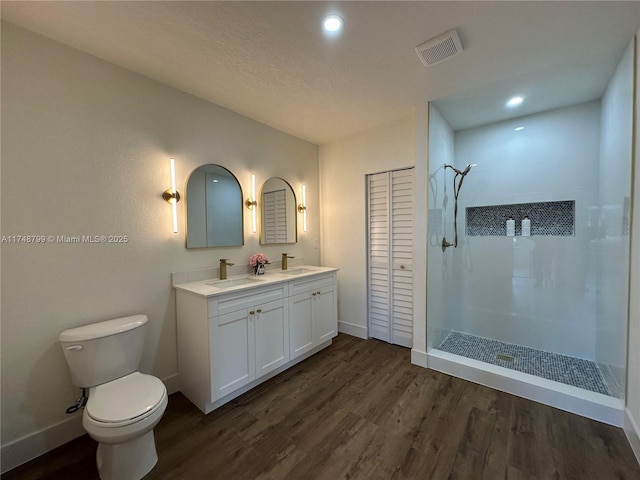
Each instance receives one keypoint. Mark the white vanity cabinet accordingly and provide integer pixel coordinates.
(251, 338)
(312, 308)
(230, 341)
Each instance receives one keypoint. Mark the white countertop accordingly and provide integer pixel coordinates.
(212, 287)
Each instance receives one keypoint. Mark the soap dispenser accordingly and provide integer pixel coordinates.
(526, 227)
(511, 227)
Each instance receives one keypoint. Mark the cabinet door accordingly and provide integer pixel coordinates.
(301, 331)
(271, 336)
(232, 352)
(326, 320)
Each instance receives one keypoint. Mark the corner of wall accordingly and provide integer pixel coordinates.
(352, 329)
(633, 433)
(419, 358)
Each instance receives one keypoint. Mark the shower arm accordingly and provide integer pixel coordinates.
(456, 192)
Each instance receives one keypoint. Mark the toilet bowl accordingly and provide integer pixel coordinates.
(121, 415)
(123, 405)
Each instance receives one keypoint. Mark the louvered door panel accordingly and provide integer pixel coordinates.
(402, 257)
(275, 216)
(379, 293)
(390, 238)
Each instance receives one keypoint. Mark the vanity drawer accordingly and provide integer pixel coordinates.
(309, 284)
(233, 302)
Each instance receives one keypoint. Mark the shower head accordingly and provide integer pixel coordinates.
(461, 172)
(466, 170)
(457, 185)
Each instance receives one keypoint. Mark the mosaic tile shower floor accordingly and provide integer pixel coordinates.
(552, 366)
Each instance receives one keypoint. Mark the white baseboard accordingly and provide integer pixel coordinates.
(418, 357)
(37, 443)
(565, 397)
(353, 329)
(633, 432)
(172, 382)
(20, 451)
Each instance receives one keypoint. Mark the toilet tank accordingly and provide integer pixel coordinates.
(103, 351)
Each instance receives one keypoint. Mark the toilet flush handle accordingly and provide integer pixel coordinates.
(75, 347)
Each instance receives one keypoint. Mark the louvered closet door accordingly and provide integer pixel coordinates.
(390, 230)
(402, 257)
(379, 253)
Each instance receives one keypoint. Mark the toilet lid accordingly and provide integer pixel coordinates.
(125, 398)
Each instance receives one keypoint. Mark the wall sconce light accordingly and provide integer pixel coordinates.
(252, 204)
(172, 196)
(302, 208)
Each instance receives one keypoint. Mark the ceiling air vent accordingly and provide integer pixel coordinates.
(440, 48)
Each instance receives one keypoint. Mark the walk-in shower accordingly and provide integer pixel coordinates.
(533, 299)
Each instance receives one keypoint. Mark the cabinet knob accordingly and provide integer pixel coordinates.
(314, 294)
(401, 267)
(252, 312)
(259, 310)
(318, 292)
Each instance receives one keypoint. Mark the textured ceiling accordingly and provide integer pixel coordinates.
(271, 62)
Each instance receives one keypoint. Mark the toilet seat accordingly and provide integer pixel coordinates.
(125, 400)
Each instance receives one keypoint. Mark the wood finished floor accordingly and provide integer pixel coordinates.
(360, 410)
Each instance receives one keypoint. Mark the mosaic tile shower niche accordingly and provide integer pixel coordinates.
(547, 218)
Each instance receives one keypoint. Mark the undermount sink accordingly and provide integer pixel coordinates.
(296, 271)
(233, 282)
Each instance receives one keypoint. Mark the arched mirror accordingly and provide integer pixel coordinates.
(277, 213)
(214, 208)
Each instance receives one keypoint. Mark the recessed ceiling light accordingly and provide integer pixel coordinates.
(515, 101)
(518, 129)
(332, 23)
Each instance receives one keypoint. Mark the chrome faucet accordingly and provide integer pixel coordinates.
(285, 257)
(224, 263)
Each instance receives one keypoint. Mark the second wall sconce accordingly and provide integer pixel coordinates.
(172, 196)
(252, 204)
(302, 208)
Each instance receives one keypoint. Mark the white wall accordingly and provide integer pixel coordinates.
(343, 167)
(85, 151)
(632, 424)
(616, 137)
(498, 292)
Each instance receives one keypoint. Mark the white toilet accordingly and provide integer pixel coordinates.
(124, 405)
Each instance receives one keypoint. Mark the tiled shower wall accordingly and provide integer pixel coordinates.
(536, 291)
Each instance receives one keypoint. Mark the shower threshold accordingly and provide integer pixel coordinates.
(552, 366)
(529, 373)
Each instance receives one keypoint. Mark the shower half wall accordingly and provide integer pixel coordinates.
(539, 310)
